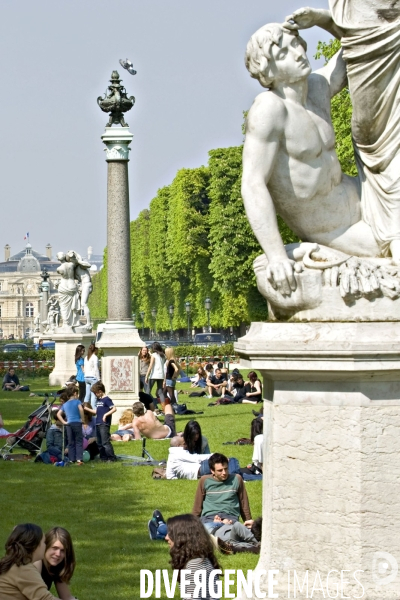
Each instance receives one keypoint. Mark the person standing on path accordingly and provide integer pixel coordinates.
(155, 372)
(144, 361)
(80, 371)
(91, 373)
(73, 411)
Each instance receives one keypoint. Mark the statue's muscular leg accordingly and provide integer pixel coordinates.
(357, 240)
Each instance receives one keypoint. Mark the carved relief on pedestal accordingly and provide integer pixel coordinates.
(121, 370)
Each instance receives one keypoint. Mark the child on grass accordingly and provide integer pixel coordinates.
(54, 437)
(73, 411)
(104, 409)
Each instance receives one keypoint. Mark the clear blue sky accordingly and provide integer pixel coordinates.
(57, 57)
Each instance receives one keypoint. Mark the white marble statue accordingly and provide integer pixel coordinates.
(36, 322)
(290, 167)
(369, 31)
(68, 294)
(82, 274)
(74, 288)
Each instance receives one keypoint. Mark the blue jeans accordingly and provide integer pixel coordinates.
(55, 451)
(75, 441)
(146, 388)
(233, 465)
(90, 397)
(104, 442)
(161, 531)
(211, 525)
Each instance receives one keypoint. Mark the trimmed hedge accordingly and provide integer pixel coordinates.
(211, 351)
(30, 354)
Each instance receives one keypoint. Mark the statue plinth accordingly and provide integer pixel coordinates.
(121, 344)
(66, 344)
(331, 448)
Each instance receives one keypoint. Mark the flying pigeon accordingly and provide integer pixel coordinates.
(126, 64)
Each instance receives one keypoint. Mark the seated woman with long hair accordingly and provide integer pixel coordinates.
(199, 380)
(191, 548)
(19, 578)
(254, 393)
(58, 563)
(125, 432)
(196, 443)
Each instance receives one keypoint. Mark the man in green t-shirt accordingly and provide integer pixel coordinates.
(221, 498)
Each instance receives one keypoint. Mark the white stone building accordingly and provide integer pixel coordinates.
(20, 287)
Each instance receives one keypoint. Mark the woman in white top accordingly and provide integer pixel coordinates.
(156, 371)
(92, 374)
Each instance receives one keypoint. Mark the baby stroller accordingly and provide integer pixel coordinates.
(30, 437)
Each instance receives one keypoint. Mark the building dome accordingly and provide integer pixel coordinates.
(28, 263)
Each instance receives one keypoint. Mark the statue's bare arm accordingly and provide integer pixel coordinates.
(333, 73)
(307, 17)
(264, 130)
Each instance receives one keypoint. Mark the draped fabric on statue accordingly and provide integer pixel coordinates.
(373, 68)
(68, 298)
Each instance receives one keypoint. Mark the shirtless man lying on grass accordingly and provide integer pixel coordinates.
(146, 424)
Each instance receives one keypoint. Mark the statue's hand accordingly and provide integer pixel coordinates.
(303, 18)
(280, 274)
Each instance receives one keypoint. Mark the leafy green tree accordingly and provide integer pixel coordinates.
(341, 111)
(140, 272)
(187, 244)
(98, 297)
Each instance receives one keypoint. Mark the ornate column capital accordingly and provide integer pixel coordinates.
(117, 140)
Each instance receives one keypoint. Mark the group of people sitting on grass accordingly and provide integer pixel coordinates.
(189, 454)
(229, 389)
(34, 562)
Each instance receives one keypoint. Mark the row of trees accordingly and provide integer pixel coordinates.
(194, 241)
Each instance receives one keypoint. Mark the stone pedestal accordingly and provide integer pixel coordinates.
(331, 489)
(66, 344)
(121, 344)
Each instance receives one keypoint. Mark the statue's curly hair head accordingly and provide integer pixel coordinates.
(258, 51)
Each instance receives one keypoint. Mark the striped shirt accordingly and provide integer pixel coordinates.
(203, 591)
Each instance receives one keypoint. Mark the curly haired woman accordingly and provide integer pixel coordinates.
(191, 548)
(125, 431)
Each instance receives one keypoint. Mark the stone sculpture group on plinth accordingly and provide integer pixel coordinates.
(64, 313)
(330, 355)
(74, 289)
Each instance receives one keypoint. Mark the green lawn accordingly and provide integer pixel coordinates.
(106, 507)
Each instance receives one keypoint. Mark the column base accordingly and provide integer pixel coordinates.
(121, 344)
(66, 344)
(331, 488)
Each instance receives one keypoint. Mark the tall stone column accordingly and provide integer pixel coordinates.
(117, 142)
(120, 340)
